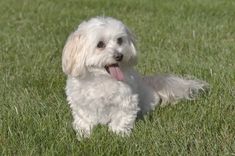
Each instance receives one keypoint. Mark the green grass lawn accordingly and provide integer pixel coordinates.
(185, 37)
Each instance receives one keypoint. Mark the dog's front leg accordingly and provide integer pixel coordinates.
(83, 128)
(122, 122)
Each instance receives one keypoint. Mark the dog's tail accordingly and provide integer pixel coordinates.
(172, 88)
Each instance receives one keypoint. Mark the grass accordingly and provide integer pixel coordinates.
(185, 37)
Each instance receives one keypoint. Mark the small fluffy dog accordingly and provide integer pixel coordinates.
(102, 85)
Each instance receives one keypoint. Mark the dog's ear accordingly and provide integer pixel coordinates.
(131, 38)
(73, 57)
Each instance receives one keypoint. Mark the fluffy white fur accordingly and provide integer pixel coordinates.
(96, 96)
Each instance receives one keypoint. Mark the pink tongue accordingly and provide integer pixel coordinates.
(116, 72)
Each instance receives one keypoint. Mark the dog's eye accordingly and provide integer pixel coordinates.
(119, 41)
(101, 44)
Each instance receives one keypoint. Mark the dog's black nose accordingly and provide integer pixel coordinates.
(118, 56)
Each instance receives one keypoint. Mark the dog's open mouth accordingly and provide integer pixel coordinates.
(115, 71)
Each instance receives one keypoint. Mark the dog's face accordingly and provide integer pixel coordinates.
(103, 43)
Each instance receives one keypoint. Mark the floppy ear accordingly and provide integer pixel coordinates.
(131, 38)
(73, 57)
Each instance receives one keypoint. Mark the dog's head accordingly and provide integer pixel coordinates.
(101, 42)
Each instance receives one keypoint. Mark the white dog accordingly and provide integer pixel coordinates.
(102, 85)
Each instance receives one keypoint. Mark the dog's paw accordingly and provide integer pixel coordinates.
(81, 130)
(81, 134)
(121, 131)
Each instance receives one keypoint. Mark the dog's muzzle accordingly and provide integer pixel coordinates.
(118, 56)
